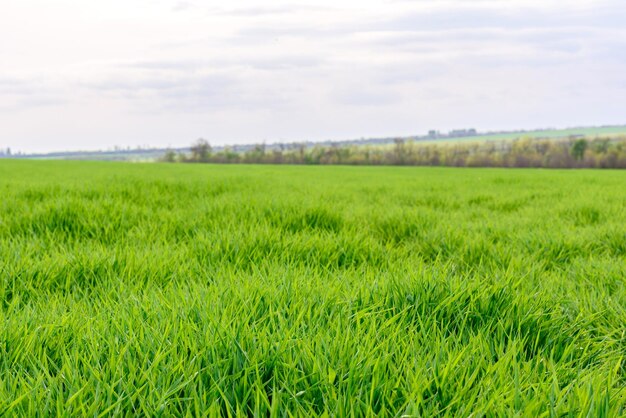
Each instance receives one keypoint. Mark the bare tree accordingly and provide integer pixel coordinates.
(201, 151)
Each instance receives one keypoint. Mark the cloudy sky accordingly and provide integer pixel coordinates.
(89, 74)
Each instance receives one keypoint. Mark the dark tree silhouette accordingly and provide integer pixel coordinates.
(201, 151)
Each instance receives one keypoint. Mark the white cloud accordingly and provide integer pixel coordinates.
(165, 72)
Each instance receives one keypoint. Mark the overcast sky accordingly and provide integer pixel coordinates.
(88, 74)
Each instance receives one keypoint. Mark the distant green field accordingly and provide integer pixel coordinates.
(545, 134)
(212, 290)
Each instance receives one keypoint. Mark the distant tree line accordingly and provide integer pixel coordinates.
(525, 152)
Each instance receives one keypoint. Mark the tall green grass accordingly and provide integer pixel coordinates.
(199, 290)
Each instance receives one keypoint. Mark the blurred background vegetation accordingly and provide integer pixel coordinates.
(573, 152)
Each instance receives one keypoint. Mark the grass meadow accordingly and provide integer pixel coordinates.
(204, 290)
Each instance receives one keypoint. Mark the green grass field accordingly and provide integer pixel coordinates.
(192, 290)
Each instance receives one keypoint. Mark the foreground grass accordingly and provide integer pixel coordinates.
(182, 290)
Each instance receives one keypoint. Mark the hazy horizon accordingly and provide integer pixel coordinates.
(218, 144)
(90, 75)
